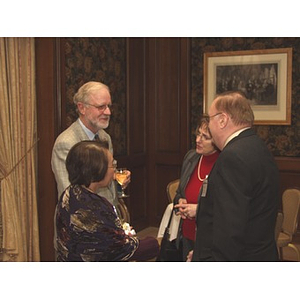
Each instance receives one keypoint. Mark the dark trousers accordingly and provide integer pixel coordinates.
(187, 246)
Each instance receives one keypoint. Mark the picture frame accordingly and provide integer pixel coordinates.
(265, 76)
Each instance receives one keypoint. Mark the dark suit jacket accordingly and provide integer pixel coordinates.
(236, 218)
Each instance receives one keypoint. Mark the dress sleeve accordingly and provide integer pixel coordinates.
(98, 234)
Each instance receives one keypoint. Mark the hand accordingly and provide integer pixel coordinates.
(177, 211)
(187, 211)
(189, 256)
(127, 180)
(128, 229)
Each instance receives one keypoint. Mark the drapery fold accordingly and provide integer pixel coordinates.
(18, 135)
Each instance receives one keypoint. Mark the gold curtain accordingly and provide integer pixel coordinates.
(18, 137)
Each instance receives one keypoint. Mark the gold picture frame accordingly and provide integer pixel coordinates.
(265, 76)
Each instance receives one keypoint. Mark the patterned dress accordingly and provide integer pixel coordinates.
(88, 229)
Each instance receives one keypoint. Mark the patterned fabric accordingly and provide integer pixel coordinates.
(88, 229)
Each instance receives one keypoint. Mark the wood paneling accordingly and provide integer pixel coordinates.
(136, 139)
(289, 168)
(158, 121)
(48, 112)
(167, 98)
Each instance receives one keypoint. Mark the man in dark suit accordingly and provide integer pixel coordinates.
(238, 204)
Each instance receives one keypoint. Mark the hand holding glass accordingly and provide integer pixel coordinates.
(121, 175)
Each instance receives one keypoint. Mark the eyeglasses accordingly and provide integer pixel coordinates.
(209, 117)
(114, 165)
(101, 108)
(203, 137)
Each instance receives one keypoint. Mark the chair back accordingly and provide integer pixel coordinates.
(278, 225)
(122, 211)
(171, 189)
(290, 208)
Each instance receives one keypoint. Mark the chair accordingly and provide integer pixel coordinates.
(122, 211)
(171, 189)
(290, 208)
(278, 226)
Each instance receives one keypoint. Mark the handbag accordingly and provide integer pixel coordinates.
(170, 250)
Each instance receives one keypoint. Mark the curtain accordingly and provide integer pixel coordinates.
(19, 235)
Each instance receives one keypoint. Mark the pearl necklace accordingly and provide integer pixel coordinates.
(199, 167)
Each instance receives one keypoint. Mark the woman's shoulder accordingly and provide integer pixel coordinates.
(87, 197)
(192, 154)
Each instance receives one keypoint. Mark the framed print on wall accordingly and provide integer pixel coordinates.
(265, 76)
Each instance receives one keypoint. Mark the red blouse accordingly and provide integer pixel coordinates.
(193, 187)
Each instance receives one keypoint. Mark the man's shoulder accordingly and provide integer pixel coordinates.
(74, 133)
(103, 133)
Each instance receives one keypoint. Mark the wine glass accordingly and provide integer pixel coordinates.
(121, 174)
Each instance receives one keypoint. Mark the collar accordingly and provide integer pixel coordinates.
(235, 134)
(89, 133)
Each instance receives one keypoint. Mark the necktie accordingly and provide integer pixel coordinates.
(96, 137)
(103, 143)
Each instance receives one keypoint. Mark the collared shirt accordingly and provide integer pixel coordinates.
(89, 133)
(234, 135)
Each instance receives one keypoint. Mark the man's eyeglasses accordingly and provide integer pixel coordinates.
(101, 108)
(208, 117)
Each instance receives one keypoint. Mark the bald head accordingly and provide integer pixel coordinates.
(229, 113)
(237, 106)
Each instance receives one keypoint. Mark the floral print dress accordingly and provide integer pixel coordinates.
(88, 229)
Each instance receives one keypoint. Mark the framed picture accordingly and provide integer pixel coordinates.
(265, 76)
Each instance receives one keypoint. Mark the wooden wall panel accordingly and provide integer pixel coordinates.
(137, 203)
(167, 101)
(167, 98)
(48, 113)
(136, 96)
(136, 141)
(289, 168)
